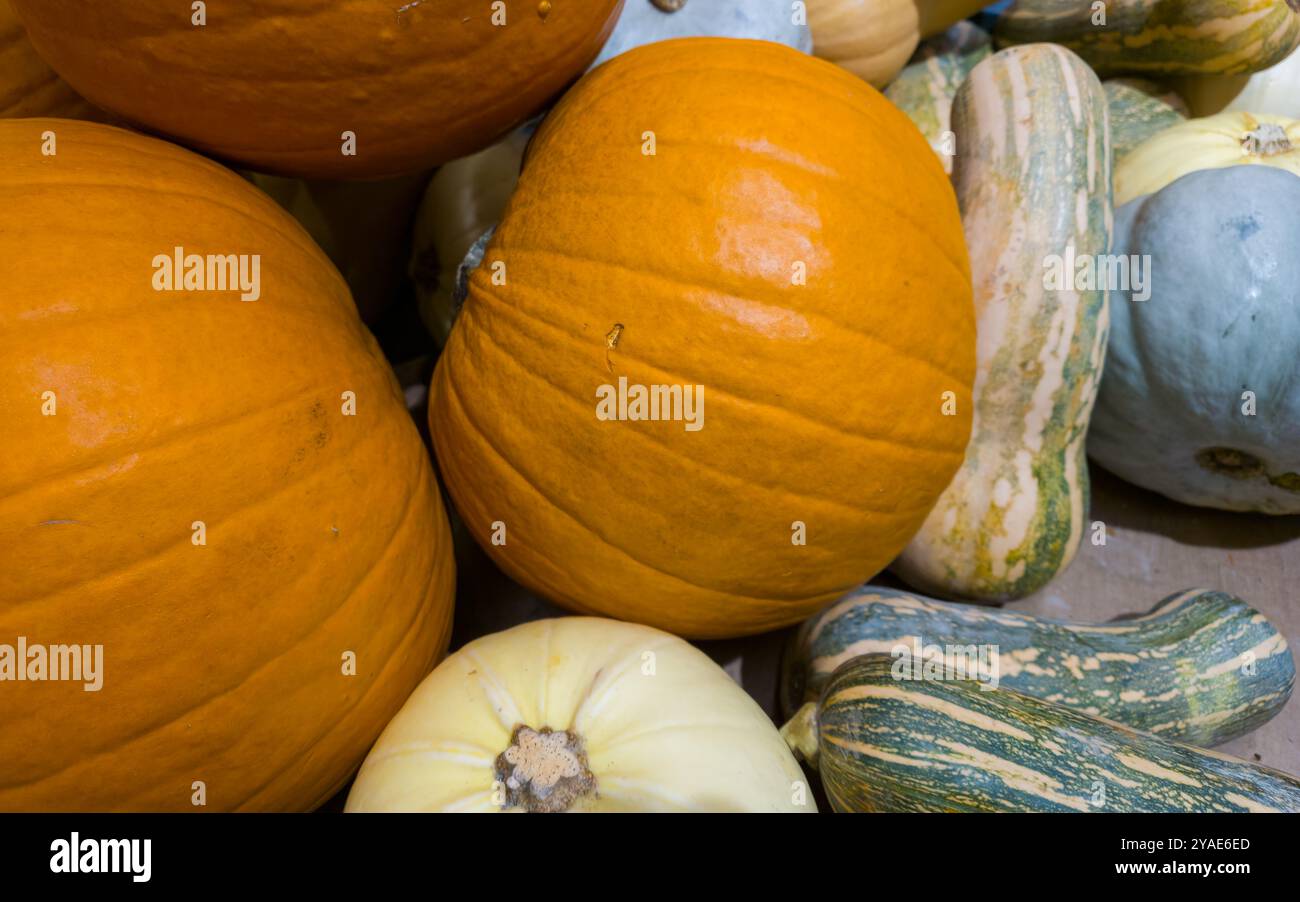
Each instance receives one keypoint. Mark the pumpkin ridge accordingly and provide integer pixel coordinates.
(716, 290)
(725, 392)
(724, 476)
(412, 634)
(153, 556)
(604, 680)
(149, 729)
(772, 602)
(495, 688)
(30, 483)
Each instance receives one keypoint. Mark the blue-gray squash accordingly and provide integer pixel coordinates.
(644, 22)
(1201, 395)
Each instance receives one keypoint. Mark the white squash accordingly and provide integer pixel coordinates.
(580, 714)
(1275, 90)
(1227, 139)
(464, 199)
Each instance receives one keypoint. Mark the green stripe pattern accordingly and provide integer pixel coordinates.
(1166, 37)
(886, 744)
(1202, 667)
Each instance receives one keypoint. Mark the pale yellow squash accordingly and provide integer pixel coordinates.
(1226, 139)
(580, 714)
(874, 39)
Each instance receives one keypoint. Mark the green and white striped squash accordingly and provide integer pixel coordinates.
(925, 88)
(1139, 109)
(1160, 37)
(1201, 400)
(1033, 179)
(1202, 667)
(887, 744)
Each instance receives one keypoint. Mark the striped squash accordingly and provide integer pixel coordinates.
(1168, 37)
(1033, 180)
(1138, 109)
(925, 88)
(1274, 90)
(1201, 667)
(888, 744)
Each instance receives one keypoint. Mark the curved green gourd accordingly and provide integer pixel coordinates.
(1201, 667)
(1032, 176)
(1169, 37)
(885, 744)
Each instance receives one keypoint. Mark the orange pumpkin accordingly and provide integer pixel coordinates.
(417, 83)
(28, 87)
(182, 485)
(734, 215)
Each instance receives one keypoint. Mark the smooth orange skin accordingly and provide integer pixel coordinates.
(325, 533)
(273, 84)
(822, 401)
(29, 87)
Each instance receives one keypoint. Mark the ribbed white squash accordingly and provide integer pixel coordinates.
(1228, 139)
(661, 726)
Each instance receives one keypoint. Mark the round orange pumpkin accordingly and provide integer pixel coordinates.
(269, 575)
(734, 215)
(417, 83)
(29, 87)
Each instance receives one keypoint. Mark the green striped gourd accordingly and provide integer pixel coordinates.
(1138, 109)
(1165, 37)
(887, 744)
(1201, 667)
(925, 88)
(1033, 179)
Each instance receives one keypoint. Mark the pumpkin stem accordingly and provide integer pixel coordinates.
(544, 770)
(1266, 140)
(801, 733)
(668, 6)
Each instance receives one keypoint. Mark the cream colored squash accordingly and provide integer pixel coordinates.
(464, 199)
(874, 39)
(580, 714)
(1226, 139)
(1275, 90)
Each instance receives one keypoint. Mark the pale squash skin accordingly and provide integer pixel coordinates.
(464, 199)
(1139, 109)
(1226, 139)
(874, 39)
(642, 22)
(925, 88)
(1222, 287)
(29, 87)
(886, 744)
(1160, 37)
(693, 253)
(324, 533)
(1178, 671)
(417, 83)
(1033, 177)
(663, 728)
(1274, 90)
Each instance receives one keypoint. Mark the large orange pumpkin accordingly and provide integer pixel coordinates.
(182, 484)
(29, 87)
(736, 215)
(276, 85)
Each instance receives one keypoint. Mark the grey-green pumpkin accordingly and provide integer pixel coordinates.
(1201, 397)
(1201, 667)
(644, 21)
(888, 743)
